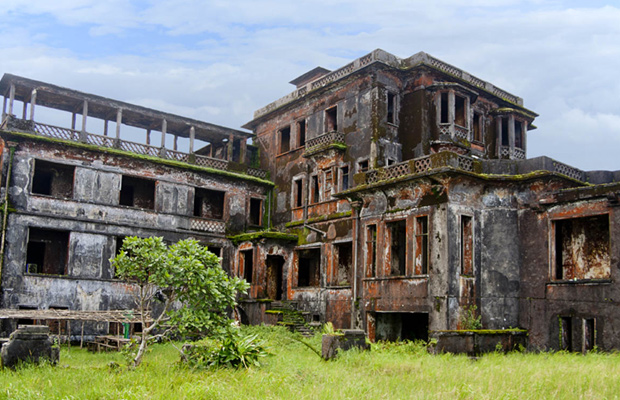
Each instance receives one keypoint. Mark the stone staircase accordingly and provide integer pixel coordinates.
(292, 318)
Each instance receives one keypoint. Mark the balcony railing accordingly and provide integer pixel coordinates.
(323, 141)
(420, 165)
(57, 132)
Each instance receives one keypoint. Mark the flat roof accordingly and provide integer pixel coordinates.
(70, 100)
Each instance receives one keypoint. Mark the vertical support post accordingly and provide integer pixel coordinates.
(451, 111)
(84, 115)
(243, 146)
(175, 142)
(83, 136)
(119, 120)
(25, 110)
(33, 103)
(82, 336)
(105, 127)
(11, 98)
(4, 107)
(69, 334)
(164, 128)
(148, 136)
(524, 137)
(73, 121)
(192, 134)
(511, 134)
(231, 138)
(498, 137)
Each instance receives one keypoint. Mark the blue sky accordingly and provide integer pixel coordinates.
(220, 60)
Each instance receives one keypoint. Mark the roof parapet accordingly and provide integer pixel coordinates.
(384, 57)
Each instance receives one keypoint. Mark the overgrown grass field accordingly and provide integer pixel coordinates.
(389, 371)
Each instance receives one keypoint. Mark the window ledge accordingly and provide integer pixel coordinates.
(338, 287)
(399, 278)
(290, 151)
(73, 278)
(307, 288)
(580, 282)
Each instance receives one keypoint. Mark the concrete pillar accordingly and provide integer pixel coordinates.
(33, 103)
(231, 138)
(105, 127)
(192, 134)
(119, 120)
(148, 136)
(164, 127)
(511, 134)
(243, 151)
(451, 109)
(11, 98)
(84, 115)
(175, 143)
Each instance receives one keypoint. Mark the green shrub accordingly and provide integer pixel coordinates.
(233, 350)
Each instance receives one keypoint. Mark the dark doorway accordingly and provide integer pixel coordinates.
(395, 327)
(275, 270)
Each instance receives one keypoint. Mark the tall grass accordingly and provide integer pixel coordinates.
(294, 372)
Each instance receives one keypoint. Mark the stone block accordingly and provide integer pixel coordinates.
(29, 344)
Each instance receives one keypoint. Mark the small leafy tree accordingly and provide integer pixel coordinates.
(186, 277)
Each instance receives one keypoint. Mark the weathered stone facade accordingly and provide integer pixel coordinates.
(400, 201)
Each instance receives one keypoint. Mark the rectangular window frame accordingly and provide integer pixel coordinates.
(421, 259)
(284, 139)
(395, 234)
(246, 269)
(331, 119)
(466, 245)
(200, 194)
(297, 195)
(53, 171)
(301, 129)
(343, 178)
(314, 194)
(391, 108)
(253, 218)
(556, 265)
(371, 250)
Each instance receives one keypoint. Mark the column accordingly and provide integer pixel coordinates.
(192, 134)
(511, 134)
(33, 103)
(119, 120)
(11, 98)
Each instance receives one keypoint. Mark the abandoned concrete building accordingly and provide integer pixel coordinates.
(391, 195)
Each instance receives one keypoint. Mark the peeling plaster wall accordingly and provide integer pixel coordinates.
(94, 221)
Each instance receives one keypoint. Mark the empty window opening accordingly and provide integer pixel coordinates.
(362, 166)
(236, 150)
(119, 244)
(247, 264)
(309, 273)
(298, 188)
(331, 119)
(396, 327)
(275, 277)
(53, 179)
(47, 251)
(209, 203)
(215, 250)
(344, 178)
(589, 334)
(58, 327)
(285, 139)
(344, 255)
(27, 321)
(301, 133)
(371, 250)
(467, 244)
(421, 245)
(256, 212)
(519, 134)
(477, 128)
(137, 192)
(460, 114)
(566, 334)
(444, 119)
(504, 129)
(391, 117)
(329, 182)
(582, 249)
(398, 247)
(315, 190)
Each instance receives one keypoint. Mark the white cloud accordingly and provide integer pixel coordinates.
(220, 60)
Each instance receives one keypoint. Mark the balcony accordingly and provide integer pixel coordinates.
(222, 148)
(326, 141)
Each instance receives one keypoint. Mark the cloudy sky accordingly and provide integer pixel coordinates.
(219, 60)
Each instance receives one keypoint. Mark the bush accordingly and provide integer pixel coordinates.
(233, 350)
